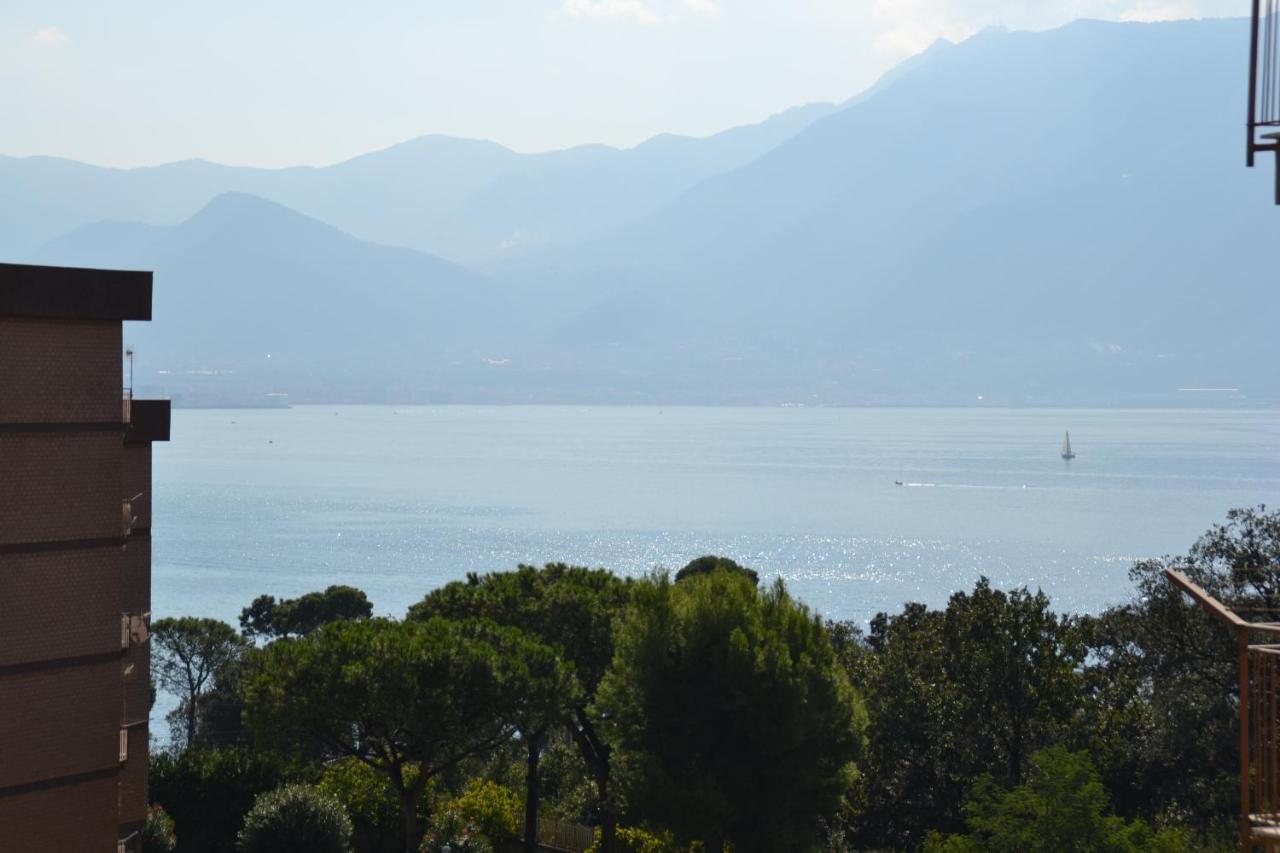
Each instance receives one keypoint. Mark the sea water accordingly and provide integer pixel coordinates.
(398, 501)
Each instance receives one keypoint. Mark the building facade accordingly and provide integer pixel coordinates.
(75, 561)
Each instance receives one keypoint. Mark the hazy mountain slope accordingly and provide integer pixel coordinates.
(1050, 216)
(570, 196)
(251, 297)
(464, 199)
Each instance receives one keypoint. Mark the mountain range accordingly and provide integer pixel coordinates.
(1056, 217)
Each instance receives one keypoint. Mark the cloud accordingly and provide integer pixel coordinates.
(639, 11)
(909, 26)
(1145, 10)
(706, 8)
(48, 36)
(633, 10)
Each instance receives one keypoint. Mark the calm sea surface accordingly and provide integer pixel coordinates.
(398, 501)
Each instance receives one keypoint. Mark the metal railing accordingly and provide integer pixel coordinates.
(1264, 84)
(126, 412)
(563, 835)
(1259, 706)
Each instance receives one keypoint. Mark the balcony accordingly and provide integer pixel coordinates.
(1264, 84)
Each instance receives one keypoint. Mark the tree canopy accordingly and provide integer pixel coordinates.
(737, 721)
(186, 655)
(270, 619)
(409, 699)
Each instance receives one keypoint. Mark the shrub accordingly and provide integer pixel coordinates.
(370, 801)
(157, 834)
(633, 839)
(295, 819)
(495, 809)
(208, 793)
(482, 817)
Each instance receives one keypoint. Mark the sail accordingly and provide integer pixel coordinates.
(1066, 446)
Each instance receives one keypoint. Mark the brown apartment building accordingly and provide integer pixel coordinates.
(75, 561)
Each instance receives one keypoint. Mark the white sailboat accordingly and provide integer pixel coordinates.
(1066, 447)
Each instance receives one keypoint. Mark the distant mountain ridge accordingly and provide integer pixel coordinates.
(1027, 218)
(469, 200)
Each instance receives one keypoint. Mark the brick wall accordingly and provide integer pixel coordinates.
(62, 486)
(136, 594)
(60, 371)
(60, 604)
(135, 684)
(75, 818)
(59, 722)
(133, 779)
(135, 478)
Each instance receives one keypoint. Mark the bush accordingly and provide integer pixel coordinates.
(370, 801)
(633, 839)
(496, 810)
(208, 793)
(157, 834)
(295, 819)
(483, 816)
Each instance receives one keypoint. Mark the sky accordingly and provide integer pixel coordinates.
(286, 82)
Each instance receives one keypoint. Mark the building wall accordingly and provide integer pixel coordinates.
(60, 486)
(43, 622)
(62, 371)
(72, 678)
(59, 721)
(79, 817)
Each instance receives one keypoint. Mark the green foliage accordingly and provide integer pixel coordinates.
(370, 801)
(570, 610)
(158, 832)
(711, 563)
(208, 792)
(1062, 806)
(295, 819)
(492, 809)
(635, 839)
(461, 834)
(408, 698)
(738, 722)
(186, 656)
(955, 694)
(1165, 681)
(297, 617)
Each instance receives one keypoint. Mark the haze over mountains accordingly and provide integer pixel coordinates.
(1058, 217)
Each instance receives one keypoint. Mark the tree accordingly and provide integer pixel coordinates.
(954, 694)
(265, 617)
(1062, 806)
(410, 699)
(186, 656)
(569, 609)
(1164, 681)
(711, 563)
(295, 819)
(208, 792)
(737, 721)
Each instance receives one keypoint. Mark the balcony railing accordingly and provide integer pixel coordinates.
(1258, 667)
(1264, 84)
(126, 413)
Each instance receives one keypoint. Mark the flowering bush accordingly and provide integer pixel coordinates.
(461, 834)
(157, 835)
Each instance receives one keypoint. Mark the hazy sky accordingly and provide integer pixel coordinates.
(278, 82)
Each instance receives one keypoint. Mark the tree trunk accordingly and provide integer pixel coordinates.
(191, 721)
(409, 817)
(595, 753)
(608, 818)
(534, 745)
